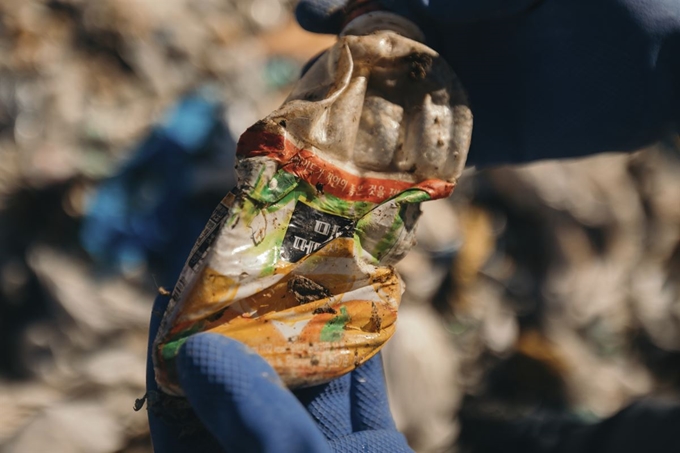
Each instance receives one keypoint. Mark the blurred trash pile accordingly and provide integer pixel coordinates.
(117, 120)
(559, 306)
(552, 288)
(154, 207)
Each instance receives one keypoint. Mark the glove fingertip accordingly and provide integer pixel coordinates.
(320, 16)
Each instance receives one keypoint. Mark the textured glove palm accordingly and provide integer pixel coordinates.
(236, 402)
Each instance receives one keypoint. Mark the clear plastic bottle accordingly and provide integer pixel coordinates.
(296, 262)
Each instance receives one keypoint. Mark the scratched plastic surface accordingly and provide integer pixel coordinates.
(296, 261)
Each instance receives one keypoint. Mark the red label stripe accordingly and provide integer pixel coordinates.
(256, 142)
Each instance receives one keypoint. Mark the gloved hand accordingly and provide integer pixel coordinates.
(550, 78)
(235, 402)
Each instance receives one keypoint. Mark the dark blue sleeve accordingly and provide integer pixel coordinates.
(551, 78)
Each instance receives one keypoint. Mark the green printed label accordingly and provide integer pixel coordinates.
(334, 328)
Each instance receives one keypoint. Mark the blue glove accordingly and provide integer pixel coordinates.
(550, 78)
(235, 402)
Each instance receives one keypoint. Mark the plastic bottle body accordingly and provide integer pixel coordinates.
(296, 262)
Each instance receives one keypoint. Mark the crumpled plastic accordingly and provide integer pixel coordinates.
(296, 261)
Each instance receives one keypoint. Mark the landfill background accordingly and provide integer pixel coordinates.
(540, 294)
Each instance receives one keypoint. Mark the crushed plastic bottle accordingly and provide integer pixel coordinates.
(296, 261)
